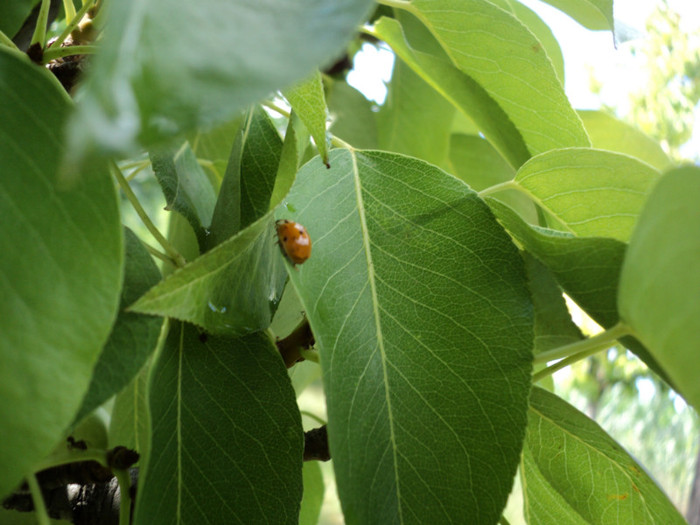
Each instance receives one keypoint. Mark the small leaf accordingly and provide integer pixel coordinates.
(130, 425)
(245, 191)
(60, 270)
(352, 118)
(574, 473)
(515, 71)
(233, 288)
(152, 79)
(133, 336)
(309, 103)
(591, 193)
(419, 305)
(660, 281)
(596, 15)
(609, 133)
(296, 142)
(186, 187)
(313, 493)
(227, 438)
(460, 89)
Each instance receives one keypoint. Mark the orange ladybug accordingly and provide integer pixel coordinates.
(294, 241)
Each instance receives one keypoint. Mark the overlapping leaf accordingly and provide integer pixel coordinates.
(592, 14)
(210, 60)
(309, 102)
(574, 473)
(420, 309)
(352, 118)
(591, 193)
(227, 438)
(507, 60)
(133, 336)
(60, 272)
(660, 279)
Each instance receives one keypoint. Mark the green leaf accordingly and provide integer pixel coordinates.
(590, 193)
(660, 279)
(313, 493)
(214, 146)
(515, 71)
(587, 269)
(296, 142)
(553, 324)
(419, 305)
(574, 473)
(592, 14)
(352, 118)
(130, 425)
(227, 438)
(13, 13)
(209, 61)
(609, 133)
(233, 288)
(309, 102)
(60, 270)
(133, 336)
(541, 30)
(412, 105)
(250, 177)
(186, 187)
(460, 89)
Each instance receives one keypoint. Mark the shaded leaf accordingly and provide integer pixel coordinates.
(296, 142)
(13, 13)
(186, 187)
(130, 424)
(234, 288)
(660, 280)
(515, 71)
(421, 313)
(133, 336)
(460, 89)
(214, 146)
(250, 177)
(574, 473)
(352, 118)
(591, 193)
(309, 102)
(153, 79)
(227, 438)
(62, 262)
(607, 132)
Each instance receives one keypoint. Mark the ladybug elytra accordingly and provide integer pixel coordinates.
(294, 241)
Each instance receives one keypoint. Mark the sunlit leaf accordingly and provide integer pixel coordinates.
(574, 473)
(60, 270)
(227, 438)
(592, 14)
(313, 494)
(591, 193)
(515, 71)
(309, 103)
(419, 305)
(210, 60)
(660, 280)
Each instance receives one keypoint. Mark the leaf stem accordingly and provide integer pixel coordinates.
(508, 185)
(340, 143)
(39, 36)
(42, 516)
(69, 8)
(312, 416)
(400, 4)
(157, 253)
(579, 350)
(124, 481)
(73, 23)
(310, 355)
(169, 249)
(7, 41)
(275, 107)
(55, 52)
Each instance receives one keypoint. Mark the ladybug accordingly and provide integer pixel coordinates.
(294, 241)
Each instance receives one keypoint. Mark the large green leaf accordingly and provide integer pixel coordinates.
(245, 191)
(592, 14)
(186, 187)
(60, 270)
(309, 102)
(607, 132)
(210, 60)
(419, 305)
(227, 439)
(13, 14)
(515, 71)
(233, 288)
(457, 87)
(574, 473)
(660, 281)
(590, 193)
(133, 336)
